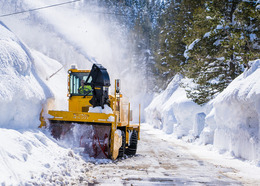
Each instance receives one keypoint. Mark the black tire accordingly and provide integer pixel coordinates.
(131, 150)
(121, 152)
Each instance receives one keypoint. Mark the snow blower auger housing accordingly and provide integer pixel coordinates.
(95, 121)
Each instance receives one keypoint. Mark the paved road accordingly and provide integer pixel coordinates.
(159, 162)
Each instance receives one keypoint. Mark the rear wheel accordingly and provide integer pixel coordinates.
(131, 150)
(121, 152)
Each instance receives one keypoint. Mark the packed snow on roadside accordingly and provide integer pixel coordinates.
(29, 155)
(230, 122)
(172, 112)
(236, 116)
(21, 92)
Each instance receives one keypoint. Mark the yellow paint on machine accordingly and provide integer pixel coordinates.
(78, 112)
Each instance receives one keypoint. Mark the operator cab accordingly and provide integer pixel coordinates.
(75, 83)
(96, 83)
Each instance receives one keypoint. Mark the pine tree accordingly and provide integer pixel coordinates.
(166, 64)
(144, 37)
(222, 46)
(246, 34)
(177, 19)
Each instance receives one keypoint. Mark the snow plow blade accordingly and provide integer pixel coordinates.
(92, 138)
(94, 132)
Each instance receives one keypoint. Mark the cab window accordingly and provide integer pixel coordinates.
(75, 82)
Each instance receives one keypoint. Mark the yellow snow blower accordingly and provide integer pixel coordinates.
(96, 121)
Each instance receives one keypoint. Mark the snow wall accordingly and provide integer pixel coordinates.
(230, 122)
(24, 83)
(28, 156)
(21, 90)
(172, 111)
(236, 114)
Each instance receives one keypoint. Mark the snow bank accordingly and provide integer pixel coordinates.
(173, 112)
(54, 75)
(31, 158)
(207, 134)
(237, 113)
(28, 156)
(230, 122)
(21, 91)
(26, 82)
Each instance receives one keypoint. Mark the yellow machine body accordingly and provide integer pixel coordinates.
(102, 124)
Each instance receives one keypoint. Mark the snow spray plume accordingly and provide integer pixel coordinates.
(78, 37)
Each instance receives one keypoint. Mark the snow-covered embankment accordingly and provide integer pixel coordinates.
(21, 93)
(230, 122)
(27, 154)
(237, 113)
(172, 111)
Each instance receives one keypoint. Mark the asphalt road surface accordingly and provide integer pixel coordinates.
(159, 162)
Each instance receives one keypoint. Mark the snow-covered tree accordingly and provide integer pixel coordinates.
(225, 43)
(177, 19)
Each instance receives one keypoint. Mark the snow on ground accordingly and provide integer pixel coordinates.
(31, 157)
(243, 171)
(22, 92)
(237, 114)
(230, 122)
(54, 75)
(172, 111)
(164, 160)
(27, 155)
